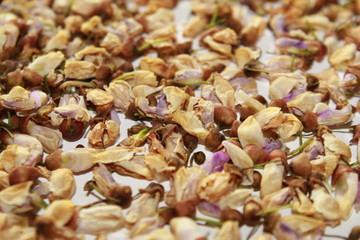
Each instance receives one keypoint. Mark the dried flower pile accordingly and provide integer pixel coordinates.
(67, 70)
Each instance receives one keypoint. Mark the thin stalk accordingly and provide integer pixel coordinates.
(300, 138)
(214, 18)
(75, 84)
(40, 204)
(334, 236)
(328, 185)
(301, 147)
(354, 164)
(143, 133)
(124, 76)
(147, 45)
(8, 131)
(209, 222)
(275, 209)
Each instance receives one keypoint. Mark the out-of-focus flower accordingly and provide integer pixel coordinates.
(57, 188)
(328, 116)
(229, 230)
(16, 198)
(46, 63)
(299, 227)
(185, 228)
(271, 179)
(186, 182)
(60, 211)
(249, 132)
(100, 219)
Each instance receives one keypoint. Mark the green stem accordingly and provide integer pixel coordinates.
(304, 145)
(97, 189)
(124, 76)
(143, 133)
(209, 222)
(354, 164)
(300, 138)
(147, 45)
(40, 204)
(275, 209)
(253, 231)
(214, 18)
(8, 131)
(328, 185)
(46, 85)
(292, 65)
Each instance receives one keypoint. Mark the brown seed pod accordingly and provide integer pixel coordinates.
(186, 207)
(234, 127)
(256, 153)
(257, 180)
(245, 112)
(270, 221)
(53, 160)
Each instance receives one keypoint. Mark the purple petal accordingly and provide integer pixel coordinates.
(114, 116)
(291, 42)
(188, 74)
(280, 26)
(161, 106)
(215, 163)
(40, 98)
(290, 233)
(271, 145)
(209, 208)
(294, 93)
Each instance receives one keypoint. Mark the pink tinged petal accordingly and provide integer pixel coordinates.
(114, 116)
(40, 98)
(209, 209)
(291, 42)
(215, 163)
(271, 145)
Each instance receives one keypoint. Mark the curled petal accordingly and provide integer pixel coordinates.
(46, 63)
(58, 189)
(278, 198)
(73, 111)
(186, 181)
(61, 211)
(328, 116)
(290, 126)
(209, 209)
(214, 186)
(336, 146)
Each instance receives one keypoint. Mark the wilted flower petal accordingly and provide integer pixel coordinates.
(58, 189)
(329, 116)
(336, 146)
(46, 63)
(186, 182)
(271, 179)
(249, 132)
(61, 211)
(346, 192)
(100, 219)
(215, 162)
(16, 198)
(229, 230)
(185, 228)
(237, 155)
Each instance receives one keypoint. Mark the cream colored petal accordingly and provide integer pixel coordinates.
(290, 126)
(346, 191)
(190, 123)
(249, 132)
(242, 98)
(238, 156)
(271, 179)
(224, 91)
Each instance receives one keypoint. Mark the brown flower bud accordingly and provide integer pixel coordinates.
(296, 182)
(122, 194)
(103, 73)
(251, 211)
(213, 139)
(301, 165)
(257, 180)
(53, 160)
(309, 121)
(231, 215)
(224, 116)
(281, 104)
(256, 153)
(234, 127)
(355, 233)
(23, 174)
(245, 112)
(186, 207)
(276, 155)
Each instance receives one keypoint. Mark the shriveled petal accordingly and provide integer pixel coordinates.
(271, 179)
(235, 199)
(58, 189)
(245, 100)
(216, 161)
(224, 91)
(73, 111)
(278, 198)
(342, 55)
(190, 123)
(214, 186)
(346, 192)
(61, 211)
(327, 205)
(185, 228)
(186, 181)
(302, 204)
(249, 132)
(237, 155)
(100, 219)
(325, 165)
(297, 226)
(336, 146)
(304, 102)
(328, 116)
(99, 97)
(46, 63)
(291, 126)
(229, 230)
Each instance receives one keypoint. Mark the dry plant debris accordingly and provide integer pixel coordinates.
(67, 70)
